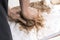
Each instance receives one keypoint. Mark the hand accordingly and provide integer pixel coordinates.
(14, 13)
(31, 13)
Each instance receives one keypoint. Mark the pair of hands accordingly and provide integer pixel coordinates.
(14, 14)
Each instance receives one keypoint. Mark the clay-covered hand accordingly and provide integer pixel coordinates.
(14, 13)
(31, 13)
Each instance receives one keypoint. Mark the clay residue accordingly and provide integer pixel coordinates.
(55, 2)
(40, 5)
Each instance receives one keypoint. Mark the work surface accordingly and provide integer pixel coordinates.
(51, 28)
